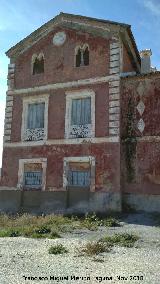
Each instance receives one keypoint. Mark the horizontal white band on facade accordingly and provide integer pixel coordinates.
(95, 140)
(113, 117)
(114, 64)
(64, 85)
(114, 110)
(114, 103)
(114, 97)
(113, 131)
(148, 139)
(114, 123)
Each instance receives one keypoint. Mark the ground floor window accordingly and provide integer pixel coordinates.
(79, 172)
(32, 174)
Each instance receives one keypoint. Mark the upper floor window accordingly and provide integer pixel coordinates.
(35, 118)
(81, 111)
(80, 114)
(35, 115)
(37, 64)
(82, 56)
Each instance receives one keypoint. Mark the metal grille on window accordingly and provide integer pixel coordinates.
(81, 117)
(35, 122)
(79, 178)
(33, 179)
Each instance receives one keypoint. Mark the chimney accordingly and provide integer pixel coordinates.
(145, 61)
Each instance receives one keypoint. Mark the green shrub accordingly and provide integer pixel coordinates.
(57, 249)
(94, 248)
(125, 240)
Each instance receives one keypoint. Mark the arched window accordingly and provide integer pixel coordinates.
(78, 57)
(38, 64)
(82, 55)
(86, 56)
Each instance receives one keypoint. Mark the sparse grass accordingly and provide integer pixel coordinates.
(94, 248)
(92, 222)
(125, 240)
(111, 222)
(50, 226)
(57, 249)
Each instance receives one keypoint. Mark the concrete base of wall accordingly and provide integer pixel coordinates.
(13, 201)
(142, 202)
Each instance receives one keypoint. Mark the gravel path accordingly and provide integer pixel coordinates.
(22, 257)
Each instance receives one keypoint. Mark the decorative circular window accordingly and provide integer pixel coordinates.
(59, 38)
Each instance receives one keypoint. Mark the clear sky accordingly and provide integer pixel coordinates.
(19, 18)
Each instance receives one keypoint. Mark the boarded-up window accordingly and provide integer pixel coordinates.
(38, 66)
(35, 117)
(32, 175)
(81, 111)
(79, 174)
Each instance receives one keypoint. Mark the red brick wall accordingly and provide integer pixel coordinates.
(127, 63)
(146, 89)
(145, 158)
(106, 155)
(59, 61)
(56, 113)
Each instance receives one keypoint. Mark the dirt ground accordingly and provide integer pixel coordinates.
(26, 260)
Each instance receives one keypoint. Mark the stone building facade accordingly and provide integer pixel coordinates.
(81, 131)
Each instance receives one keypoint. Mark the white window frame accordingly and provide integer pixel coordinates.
(80, 94)
(22, 162)
(26, 102)
(84, 159)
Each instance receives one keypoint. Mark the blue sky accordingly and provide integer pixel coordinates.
(19, 18)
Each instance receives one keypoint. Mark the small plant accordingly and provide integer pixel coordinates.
(94, 248)
(10, 233)
(111, 222)
(125, 240)
(43, 230)
(54, 235)
(57, 249)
